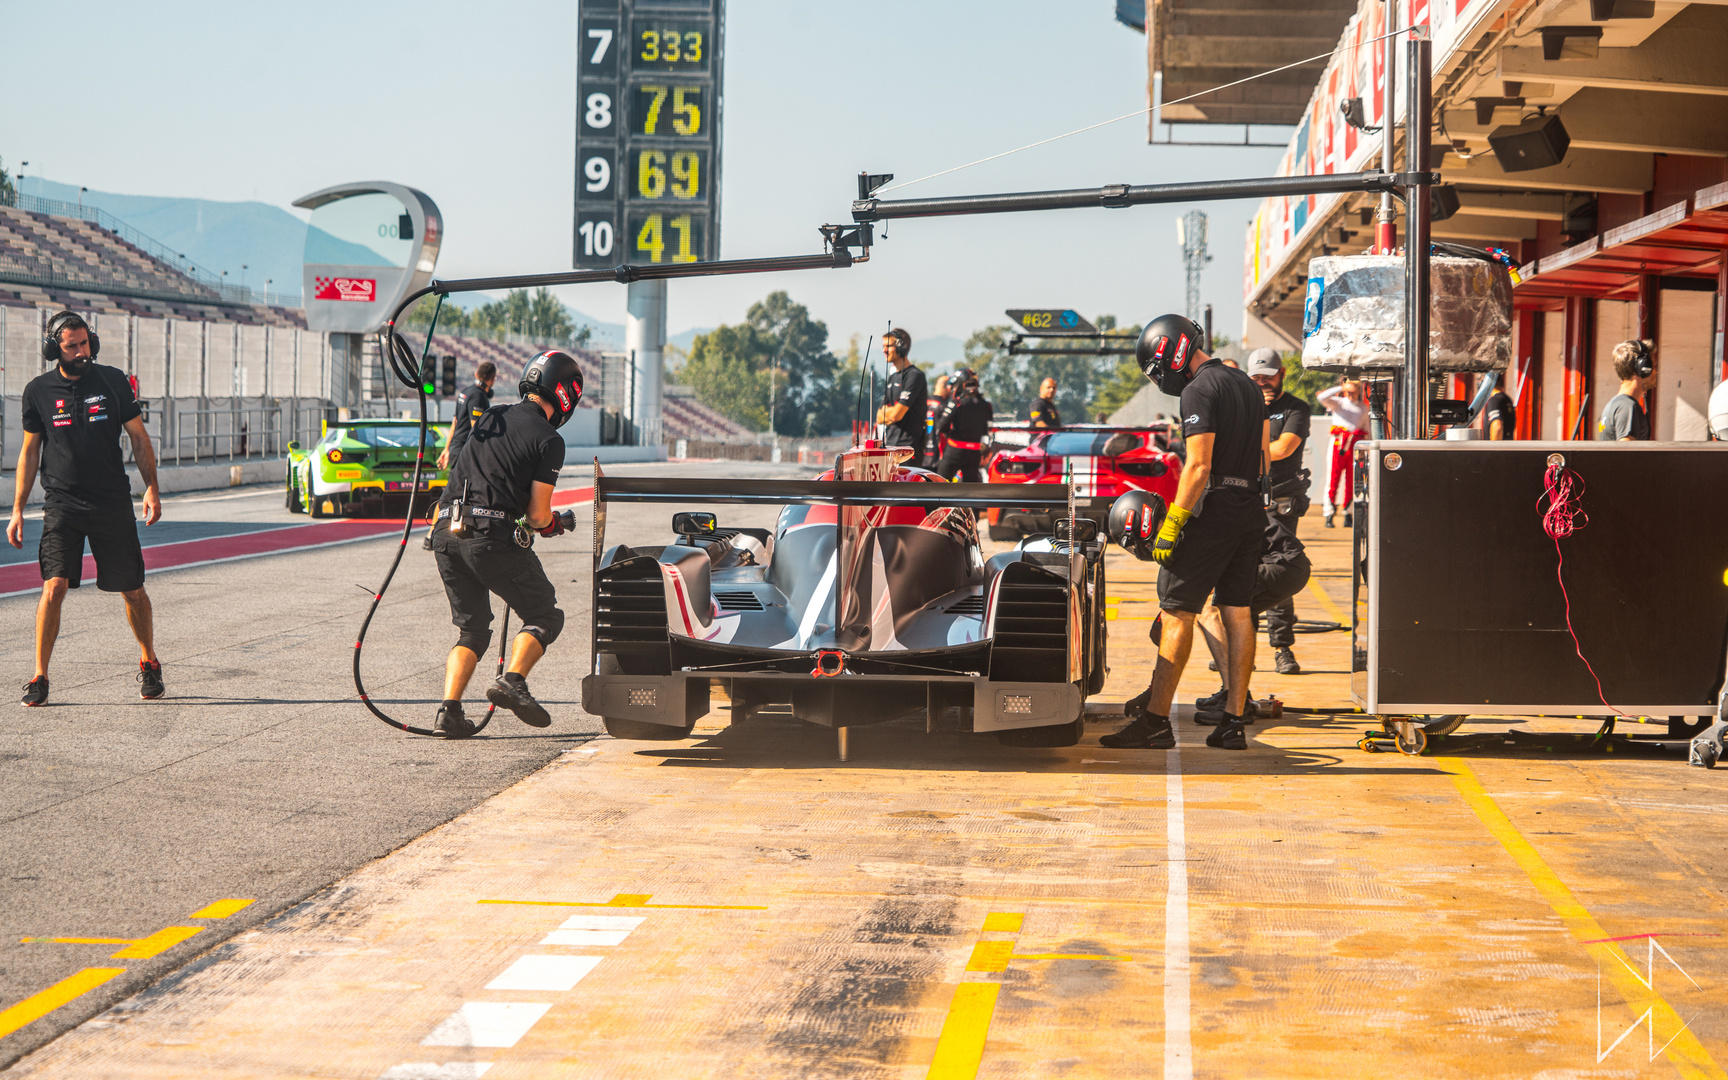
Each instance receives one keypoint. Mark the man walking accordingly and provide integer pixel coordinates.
(73, 417)
(1288, 415)
(471, 405)
(1213, 534)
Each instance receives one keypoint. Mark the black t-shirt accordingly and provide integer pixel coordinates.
(471, 405)
(1225, 402)
(80, 421)
(1500, 408)
(967, 419)
(509, 448)
(1289, 416)
(907, 387)
(1042, 412)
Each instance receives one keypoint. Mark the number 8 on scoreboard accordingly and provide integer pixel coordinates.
(648, 131)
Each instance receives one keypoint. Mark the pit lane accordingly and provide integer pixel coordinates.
(741, 904)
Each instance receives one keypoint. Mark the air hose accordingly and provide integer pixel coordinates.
(401, 360)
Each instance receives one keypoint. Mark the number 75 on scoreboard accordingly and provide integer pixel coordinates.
(648, 78)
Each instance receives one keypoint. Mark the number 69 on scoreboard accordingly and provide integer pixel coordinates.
(648, 78)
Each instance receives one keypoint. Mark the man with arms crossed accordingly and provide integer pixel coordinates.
(1214, 533)
(73, 416)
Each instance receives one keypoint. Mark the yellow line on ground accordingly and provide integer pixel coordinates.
(73, 986)
(1685, 1052)
(1003, 922)
(1326, 602)
(990, 956)
(159, 942)
(960, 1048)
(221, 909)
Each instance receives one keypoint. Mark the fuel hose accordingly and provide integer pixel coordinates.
(401, 359)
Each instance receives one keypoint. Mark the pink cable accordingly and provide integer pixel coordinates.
(1563, 490)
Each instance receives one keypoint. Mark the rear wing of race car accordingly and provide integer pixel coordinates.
(684, 490)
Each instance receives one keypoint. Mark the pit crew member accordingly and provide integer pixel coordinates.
(1288, 415)
(903, 397)
(73, 417)
(507, 472)
(1042, 412)
(1624, 418)
(471, 405)
(1213, 535)
(964, 425)
(1349, 420)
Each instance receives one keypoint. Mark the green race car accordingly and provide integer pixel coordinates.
(359, 464)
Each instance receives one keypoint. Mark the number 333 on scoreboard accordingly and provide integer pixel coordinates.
(648, 131)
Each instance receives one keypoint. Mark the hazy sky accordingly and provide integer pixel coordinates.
(475, 104)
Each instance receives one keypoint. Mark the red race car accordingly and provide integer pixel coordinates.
(1106, 460)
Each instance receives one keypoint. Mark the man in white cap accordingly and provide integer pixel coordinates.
(1288, 416)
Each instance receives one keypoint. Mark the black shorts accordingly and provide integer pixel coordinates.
(113, 536)
(475, 566)
(1220, 550)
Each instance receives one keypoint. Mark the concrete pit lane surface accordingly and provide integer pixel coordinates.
(741, 904)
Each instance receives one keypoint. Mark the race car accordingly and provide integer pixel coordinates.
(1106, 461)
(360, 465)
(870, 600)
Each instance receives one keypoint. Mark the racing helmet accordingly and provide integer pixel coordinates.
(1135, 518)
(1166, 351)
(556, 379)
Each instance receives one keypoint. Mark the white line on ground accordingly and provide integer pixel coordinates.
(585, 937)
(487, 1023)
(544, 973)
(625, 923)
(1178, 1047)
(430, 1070)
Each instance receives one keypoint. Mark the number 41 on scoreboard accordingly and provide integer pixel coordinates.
(648, 131)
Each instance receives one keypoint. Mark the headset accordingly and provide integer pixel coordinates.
(58, 325)
(1645, 361)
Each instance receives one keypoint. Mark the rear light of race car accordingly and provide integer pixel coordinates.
(1154, 467)
(1014, 467)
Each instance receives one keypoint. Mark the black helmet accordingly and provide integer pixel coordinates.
(1166, 351)
(1135, 518)
(556, 379)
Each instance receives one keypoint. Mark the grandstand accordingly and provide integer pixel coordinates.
(225, 371)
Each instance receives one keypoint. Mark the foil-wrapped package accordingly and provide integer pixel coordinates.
(1354, 316)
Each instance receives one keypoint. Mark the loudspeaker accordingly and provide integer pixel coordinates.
(1537, 143)
(1442, 202)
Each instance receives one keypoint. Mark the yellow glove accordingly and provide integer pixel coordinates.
(1169, 534)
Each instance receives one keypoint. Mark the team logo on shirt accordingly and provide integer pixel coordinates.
(1195, 419)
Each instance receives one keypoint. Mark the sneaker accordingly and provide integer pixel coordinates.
(1144, 733)
(510, 691)
(1212, 701)
(36, 691)
(1136, 705)
(1349, 520)
(1215, 716)
(1287, 664)
(150, 679)
(1228, 735)
(450, 723)
(1328, 519)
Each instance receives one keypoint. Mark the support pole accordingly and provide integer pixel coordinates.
(1386, 220)
(645, 338)
(1413, 393)
(840, 736)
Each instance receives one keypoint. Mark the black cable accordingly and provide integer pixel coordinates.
(401, 359)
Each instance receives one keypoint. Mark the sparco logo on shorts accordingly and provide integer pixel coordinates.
(363, 290)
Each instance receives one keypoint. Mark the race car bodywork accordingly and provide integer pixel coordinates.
(1106, 461)
(356, 462)
(871, 600)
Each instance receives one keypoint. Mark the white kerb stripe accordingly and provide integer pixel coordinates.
(585, 937)
(625, 923)
(487, 1023)
(544, 973)
(431, 1070)
(1178, 1047)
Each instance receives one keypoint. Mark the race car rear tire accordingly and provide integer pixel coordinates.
(296, 504)
(316, 503)
(1098, 668)
(1037, 737)
(642, 731)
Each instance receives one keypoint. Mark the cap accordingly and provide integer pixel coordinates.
(1264, 362)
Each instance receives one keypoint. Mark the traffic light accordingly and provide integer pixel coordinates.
(449, 373)
(428, 372)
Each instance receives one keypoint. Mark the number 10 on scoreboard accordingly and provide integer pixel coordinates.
(648, 77)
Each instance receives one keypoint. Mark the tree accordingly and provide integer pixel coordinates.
(419, 316)
(537, 314)
(8, 192)
(778, 351)
(1011, 382)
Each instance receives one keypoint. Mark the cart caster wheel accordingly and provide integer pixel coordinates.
(1411, 738)
(1367, 744)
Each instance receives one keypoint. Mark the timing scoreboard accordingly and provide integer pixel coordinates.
(648, 131)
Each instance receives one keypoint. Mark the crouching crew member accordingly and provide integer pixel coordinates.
(965, 425)
(1212, 538)
(73, 417)
(506, 472)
